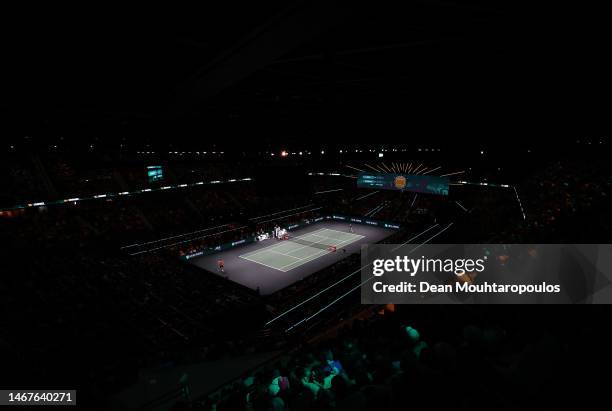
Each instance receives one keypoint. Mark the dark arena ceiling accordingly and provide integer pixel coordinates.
(317, 71)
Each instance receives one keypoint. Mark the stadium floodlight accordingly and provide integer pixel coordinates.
(322, 151)
(380, 155)
(284, 153)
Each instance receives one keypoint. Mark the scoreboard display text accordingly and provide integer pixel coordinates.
(408, 182)
(155, 173)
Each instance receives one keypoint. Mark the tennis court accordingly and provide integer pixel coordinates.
(269, 272)
(289, 254)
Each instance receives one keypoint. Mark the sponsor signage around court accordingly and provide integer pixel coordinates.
(358, 220)
(219, 248)
(233, 244)
(194, 255)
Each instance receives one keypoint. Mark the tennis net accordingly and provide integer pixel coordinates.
(314, 244)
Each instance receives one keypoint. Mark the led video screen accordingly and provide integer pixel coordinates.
(404, 182)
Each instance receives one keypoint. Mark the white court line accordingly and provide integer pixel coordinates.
(361, 284)
(301, 261)
(328, 238)
(334, 241)
(315, 256)
(258, 262)
(337, 282)
(337, 240)
(271, 248)
(275, 252)
(350, 235)
(274, 245)
(286, 255)
(340, 232)
(311, 257)
(302, 237)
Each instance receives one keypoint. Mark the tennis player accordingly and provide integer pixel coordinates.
(221, 265)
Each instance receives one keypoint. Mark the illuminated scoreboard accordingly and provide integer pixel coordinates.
(408, 182)
(155, 173)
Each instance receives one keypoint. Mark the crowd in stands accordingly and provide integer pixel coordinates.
(152, 309)
(20, 181)
(419, 357)
(130, 313)
(35, 177)
(566, 201)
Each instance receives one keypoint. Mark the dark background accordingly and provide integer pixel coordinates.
(323, 72)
